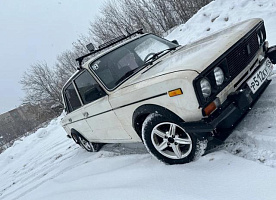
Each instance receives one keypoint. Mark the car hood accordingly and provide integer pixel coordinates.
(198, 55)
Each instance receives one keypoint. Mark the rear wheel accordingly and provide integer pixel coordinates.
(87, 145)
(169, 142)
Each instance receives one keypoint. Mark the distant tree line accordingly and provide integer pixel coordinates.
(42, 84)
(155, 16)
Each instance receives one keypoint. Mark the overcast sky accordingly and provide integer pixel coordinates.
(33, 31)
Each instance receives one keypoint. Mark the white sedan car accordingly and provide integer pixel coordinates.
(175, 99)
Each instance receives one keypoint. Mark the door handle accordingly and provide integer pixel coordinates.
(70, 120)
(85, 114)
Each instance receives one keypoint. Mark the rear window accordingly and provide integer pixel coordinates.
(71, 98)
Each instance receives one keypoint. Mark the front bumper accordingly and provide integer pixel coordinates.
(228, 115)
(220, 123)
(271, 53)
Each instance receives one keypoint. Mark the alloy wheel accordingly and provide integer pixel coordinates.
(171, 140)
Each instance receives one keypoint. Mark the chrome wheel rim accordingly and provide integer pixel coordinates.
(86, 144)
(171, 140)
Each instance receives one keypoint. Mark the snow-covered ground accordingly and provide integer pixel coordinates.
(47, 165)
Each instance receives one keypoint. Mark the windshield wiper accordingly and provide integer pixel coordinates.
(127, 75)
(154, 56)
(146, 62)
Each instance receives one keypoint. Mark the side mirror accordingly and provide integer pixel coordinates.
(90, 47)
(175, 42)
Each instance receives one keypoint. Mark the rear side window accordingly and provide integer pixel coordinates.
(88, 88)
(72, 99)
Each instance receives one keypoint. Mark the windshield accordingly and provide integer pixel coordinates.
(116, 66)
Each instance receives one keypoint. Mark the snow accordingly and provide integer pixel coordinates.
(48, 165)
(220, 14)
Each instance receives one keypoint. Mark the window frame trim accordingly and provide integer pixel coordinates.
(72, 81)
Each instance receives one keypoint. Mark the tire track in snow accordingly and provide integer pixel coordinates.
(52, 169)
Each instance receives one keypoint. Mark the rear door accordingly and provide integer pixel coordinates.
(103, 123)
(74, 119)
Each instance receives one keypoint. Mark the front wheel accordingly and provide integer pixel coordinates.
(169, 142)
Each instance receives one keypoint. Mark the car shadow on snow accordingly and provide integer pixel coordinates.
(125, 149)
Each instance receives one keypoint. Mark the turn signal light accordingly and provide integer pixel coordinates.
(175, 92)
(211, 107)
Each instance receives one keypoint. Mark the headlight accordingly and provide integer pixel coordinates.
(219, 75)
(262, 36)
(259, 39)
(266, 46)
(205, 87)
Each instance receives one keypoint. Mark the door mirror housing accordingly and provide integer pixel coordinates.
(175, 42)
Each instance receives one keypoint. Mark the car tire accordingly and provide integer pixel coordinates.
(85, 144)
(169, 142)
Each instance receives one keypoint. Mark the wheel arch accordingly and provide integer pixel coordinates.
(141, 113)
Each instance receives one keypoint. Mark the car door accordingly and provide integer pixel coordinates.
(103, 123)
(74, 119)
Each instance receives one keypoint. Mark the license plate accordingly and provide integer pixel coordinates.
(260, 76)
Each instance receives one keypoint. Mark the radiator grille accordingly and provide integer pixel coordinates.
(241, 55)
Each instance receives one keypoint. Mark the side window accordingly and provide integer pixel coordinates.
(72, 99)
(88, 88)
